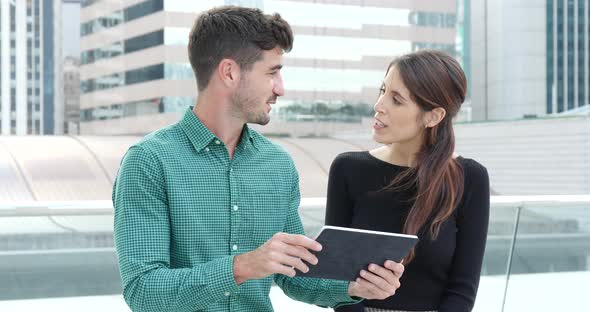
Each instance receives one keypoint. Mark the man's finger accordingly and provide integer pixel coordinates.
(283, 269)
(300, 252)
(299, 240)
(293, 262)
(282, 247)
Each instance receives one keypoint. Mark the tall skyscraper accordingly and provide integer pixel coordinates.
(463, 52)
(71, 83)
(529, 57)
(568, 30)
(28, 54)
(71, 65)
(135, 75)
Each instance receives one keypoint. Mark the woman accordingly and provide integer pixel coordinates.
(415, 184)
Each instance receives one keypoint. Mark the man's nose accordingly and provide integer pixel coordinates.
(278, 87)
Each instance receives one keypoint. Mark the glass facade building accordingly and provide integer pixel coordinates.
(128, 47)
(529, 58)
(28, 71)
(568, 30)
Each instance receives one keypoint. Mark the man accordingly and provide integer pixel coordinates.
(206, 209)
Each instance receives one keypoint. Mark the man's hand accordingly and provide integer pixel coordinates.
(281, 254)
(377, 283)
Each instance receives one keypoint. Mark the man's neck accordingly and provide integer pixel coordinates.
(219, 120)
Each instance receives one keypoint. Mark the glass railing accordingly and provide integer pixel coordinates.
(59, 256)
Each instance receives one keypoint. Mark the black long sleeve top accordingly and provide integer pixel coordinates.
(444, 274)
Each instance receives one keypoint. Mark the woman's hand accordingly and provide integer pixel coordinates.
(379, 282)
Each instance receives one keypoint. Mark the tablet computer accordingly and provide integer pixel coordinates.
(346, 251)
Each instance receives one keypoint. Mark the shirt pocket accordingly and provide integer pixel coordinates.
(266, 213)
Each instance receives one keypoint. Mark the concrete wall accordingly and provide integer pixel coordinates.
(531, 157)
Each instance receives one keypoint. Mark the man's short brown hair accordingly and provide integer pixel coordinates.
(237, 33)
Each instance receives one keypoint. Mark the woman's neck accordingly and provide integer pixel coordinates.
(396, 154)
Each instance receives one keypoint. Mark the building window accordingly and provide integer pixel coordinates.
(153, 72)
(118, 17)
(117, 48)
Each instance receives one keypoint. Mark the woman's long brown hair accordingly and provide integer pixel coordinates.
(434, 79)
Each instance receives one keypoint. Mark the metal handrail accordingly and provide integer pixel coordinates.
(56, 208)
(105, 207)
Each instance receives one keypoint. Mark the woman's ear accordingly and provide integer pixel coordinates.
(434, 117)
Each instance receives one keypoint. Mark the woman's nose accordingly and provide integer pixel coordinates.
(378, 107)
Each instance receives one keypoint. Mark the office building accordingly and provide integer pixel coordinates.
(529, 58)
(29, 75)
(135, 75)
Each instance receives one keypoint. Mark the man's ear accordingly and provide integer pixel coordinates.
(229, 73)
(434, 117)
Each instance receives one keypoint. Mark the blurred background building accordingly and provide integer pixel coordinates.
(71, 86)
(135, 74)
(71, 65)
(30, 81)
(529, 58)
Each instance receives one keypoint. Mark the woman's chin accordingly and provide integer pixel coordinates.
(377, 138)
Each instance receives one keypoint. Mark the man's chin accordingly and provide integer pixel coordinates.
(264, 122)
(261, 121)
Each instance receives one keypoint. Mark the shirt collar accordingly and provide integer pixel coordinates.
(200, 136)
(247, 133)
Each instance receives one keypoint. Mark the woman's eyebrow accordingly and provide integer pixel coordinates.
(396, 93)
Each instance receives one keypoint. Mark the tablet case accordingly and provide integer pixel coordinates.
(345, 251)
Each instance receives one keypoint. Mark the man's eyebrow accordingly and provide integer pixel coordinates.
(277, 67)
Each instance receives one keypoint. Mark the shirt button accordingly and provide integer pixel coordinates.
(235, 207)
(217, 142)
(235, 247)
(206, 149)
(226, 293)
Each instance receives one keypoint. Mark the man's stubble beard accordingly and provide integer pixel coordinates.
(245, 105)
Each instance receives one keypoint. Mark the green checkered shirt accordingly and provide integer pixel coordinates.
(184, 209)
